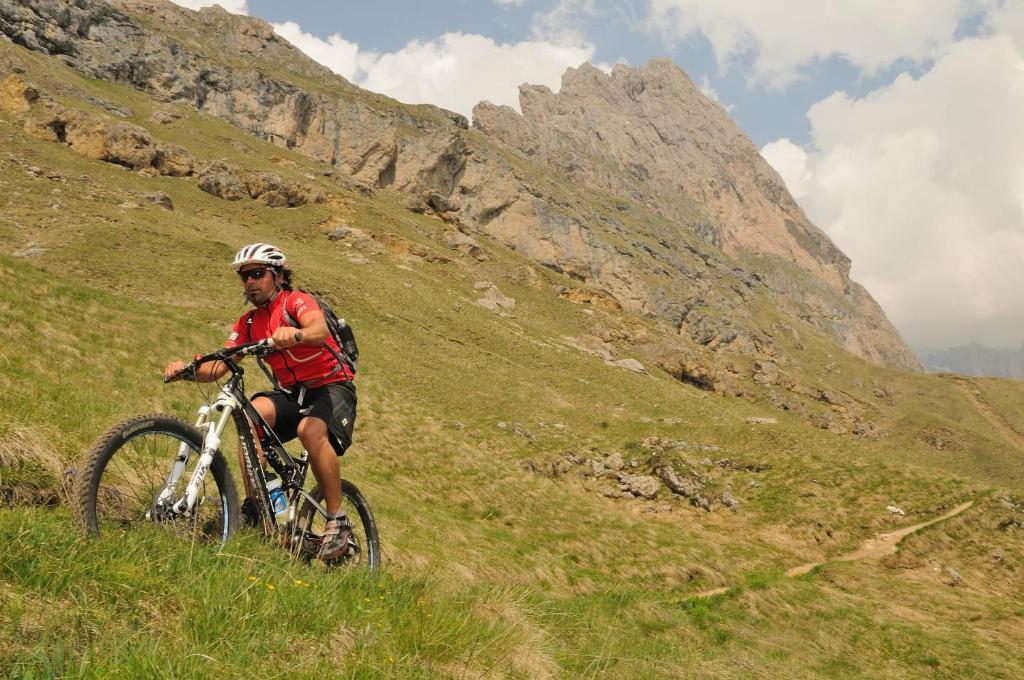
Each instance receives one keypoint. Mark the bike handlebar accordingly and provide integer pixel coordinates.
(260, 348)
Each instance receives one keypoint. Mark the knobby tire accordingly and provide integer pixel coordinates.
(127, 467)
(364, 527)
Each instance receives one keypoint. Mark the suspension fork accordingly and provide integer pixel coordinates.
(212, 427)
(181, 460)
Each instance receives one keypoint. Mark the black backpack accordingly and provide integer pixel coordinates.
(340, 331)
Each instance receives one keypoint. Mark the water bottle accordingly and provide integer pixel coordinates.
(277, 498)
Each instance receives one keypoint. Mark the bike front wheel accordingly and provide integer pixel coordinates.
(311, 522)
(138, 469)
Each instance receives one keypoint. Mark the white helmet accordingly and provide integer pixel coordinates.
(260, 253)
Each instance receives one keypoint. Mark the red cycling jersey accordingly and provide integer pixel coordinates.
(310, 366)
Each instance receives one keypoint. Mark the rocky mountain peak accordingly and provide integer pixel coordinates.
(649, 135)
(665, 137)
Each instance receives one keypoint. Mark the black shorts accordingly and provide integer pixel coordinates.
(335, 404)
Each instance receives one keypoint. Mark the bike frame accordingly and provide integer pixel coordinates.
(232, 404)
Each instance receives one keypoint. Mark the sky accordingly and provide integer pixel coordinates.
(895, 123)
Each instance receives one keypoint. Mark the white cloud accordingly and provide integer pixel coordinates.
(454, 71)
(233, 6)
(790, 160)
(336, 53)
(921, 183)
(785, 37)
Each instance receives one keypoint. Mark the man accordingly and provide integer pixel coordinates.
(306, 366)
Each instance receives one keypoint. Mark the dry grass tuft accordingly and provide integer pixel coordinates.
(31, 470)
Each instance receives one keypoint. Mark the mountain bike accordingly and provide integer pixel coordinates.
(157, 469)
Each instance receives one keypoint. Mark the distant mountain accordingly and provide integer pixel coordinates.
(974, 359)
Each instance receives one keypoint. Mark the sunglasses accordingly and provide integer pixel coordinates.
(257, 273)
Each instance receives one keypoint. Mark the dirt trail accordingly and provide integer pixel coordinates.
(973, 395)
(874, 548)
(881, 545)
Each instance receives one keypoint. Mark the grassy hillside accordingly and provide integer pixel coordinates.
(492, 569)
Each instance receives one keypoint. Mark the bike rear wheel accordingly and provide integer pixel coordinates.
(128, 468)
(310, 525)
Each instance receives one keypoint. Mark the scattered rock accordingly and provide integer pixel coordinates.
(552, 468)
(729, 501)
(222, 184)
(762, 420)
(642, 486)
(895, 510)
(467, 245)
(16, 96)
(690, 485)
(583, 297)
(233, 184)
(31, 249)
(495, 301)
(159, 198)
(954, 578)
(416, 205)
(164, 116)
(733, 464)
(523, 432)
(655, 443)
(766, 373)
(614, 461)
(128, 205)
(173, 161)
(442, 204)
(628, 364)
(344, 233)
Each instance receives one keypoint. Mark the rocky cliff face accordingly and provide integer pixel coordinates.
(648, 134)
(634, 185)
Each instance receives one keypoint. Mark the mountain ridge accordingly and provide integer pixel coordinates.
(976, 360)
(429, 156)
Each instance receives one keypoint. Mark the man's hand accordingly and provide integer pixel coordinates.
(286, 336)
(173, 371)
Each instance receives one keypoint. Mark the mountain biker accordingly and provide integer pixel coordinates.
(316, 396)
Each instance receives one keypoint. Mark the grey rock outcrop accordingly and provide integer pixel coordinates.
(123, 144)
(234, 184)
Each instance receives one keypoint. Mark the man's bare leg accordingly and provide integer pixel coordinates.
(323, 461)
